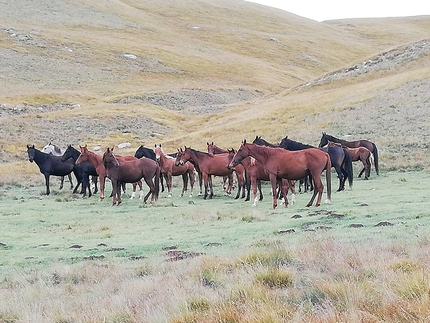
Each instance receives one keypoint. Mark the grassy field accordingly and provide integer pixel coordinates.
(189, 72)
(363, 257)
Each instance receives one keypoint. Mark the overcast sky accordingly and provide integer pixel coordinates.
(320, 10)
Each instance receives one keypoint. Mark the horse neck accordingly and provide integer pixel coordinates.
(260, 153)
(218, 150)
(94, 159)
(74, 153)
(334, 139)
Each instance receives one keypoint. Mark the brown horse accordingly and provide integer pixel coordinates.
(358, 154)
(131, 171)
(97, 162)
(255, 173)
(169, 169)
(239, 169)
(353, 144)
(208, 165)
(292, 165)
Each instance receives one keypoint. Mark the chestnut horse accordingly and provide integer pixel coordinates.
(169, 169)
(255, 173)
(97, 162)
(239, 169)
(340, 160)
(353, 144)
(358, 154)
(131, 171)
(292, 165)
(208, 165)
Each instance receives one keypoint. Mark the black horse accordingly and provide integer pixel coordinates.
(83, 171)
(145, 152)
(325, 138)
(50, 165)
(340, 159)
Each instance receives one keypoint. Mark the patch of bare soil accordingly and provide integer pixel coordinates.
(195, 101)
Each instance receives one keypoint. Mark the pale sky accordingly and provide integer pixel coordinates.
(320, 10)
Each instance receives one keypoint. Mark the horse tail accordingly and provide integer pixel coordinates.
(328, 177)
(348, 167)
(375, 158)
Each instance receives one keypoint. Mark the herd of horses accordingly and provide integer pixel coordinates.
(281, 164)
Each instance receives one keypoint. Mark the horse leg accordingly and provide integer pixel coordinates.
(318, 189)
(283, 190)
(48, 191)
(259, 189)
(133, 194)
(102, 186)
(62, 182)
(70, 180)
(169, 184)
(340, 175)
(141, 189)
(254, 189)
(200, 175)
(184, 183)
(94, 181)
(152, 190)
(230, 184)
(274, 183)
(192, 181)
(114, 192)
(206, 185)
(211, 187)
(292, 186)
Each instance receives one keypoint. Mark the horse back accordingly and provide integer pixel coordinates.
(131, 171)
(53, 165)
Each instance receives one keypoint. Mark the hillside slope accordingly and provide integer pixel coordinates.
(191, 71)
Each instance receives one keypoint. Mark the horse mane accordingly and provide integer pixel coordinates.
(293, 145)
(334, 139)
(260, 141)
(266, 150)
(195, 151)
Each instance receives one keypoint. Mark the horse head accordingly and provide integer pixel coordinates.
(31, 152)
(67, 154)
(323, 141)
(110, 158)
(179, 156)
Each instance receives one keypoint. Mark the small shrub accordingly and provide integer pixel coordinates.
(198, 305)
(275, 278)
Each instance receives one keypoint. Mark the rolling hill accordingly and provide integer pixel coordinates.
(191, 71)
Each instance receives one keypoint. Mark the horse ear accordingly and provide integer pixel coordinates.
(244, 141)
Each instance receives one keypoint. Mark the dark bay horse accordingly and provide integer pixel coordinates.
(131, 171)
(239, 169)
(169, 169)
(56, 151)
(292, 165)
(339, 157)
(358, 154)
(208, 165)
(325, 138)
(97, 162)
(83, 171)
(50, 165)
